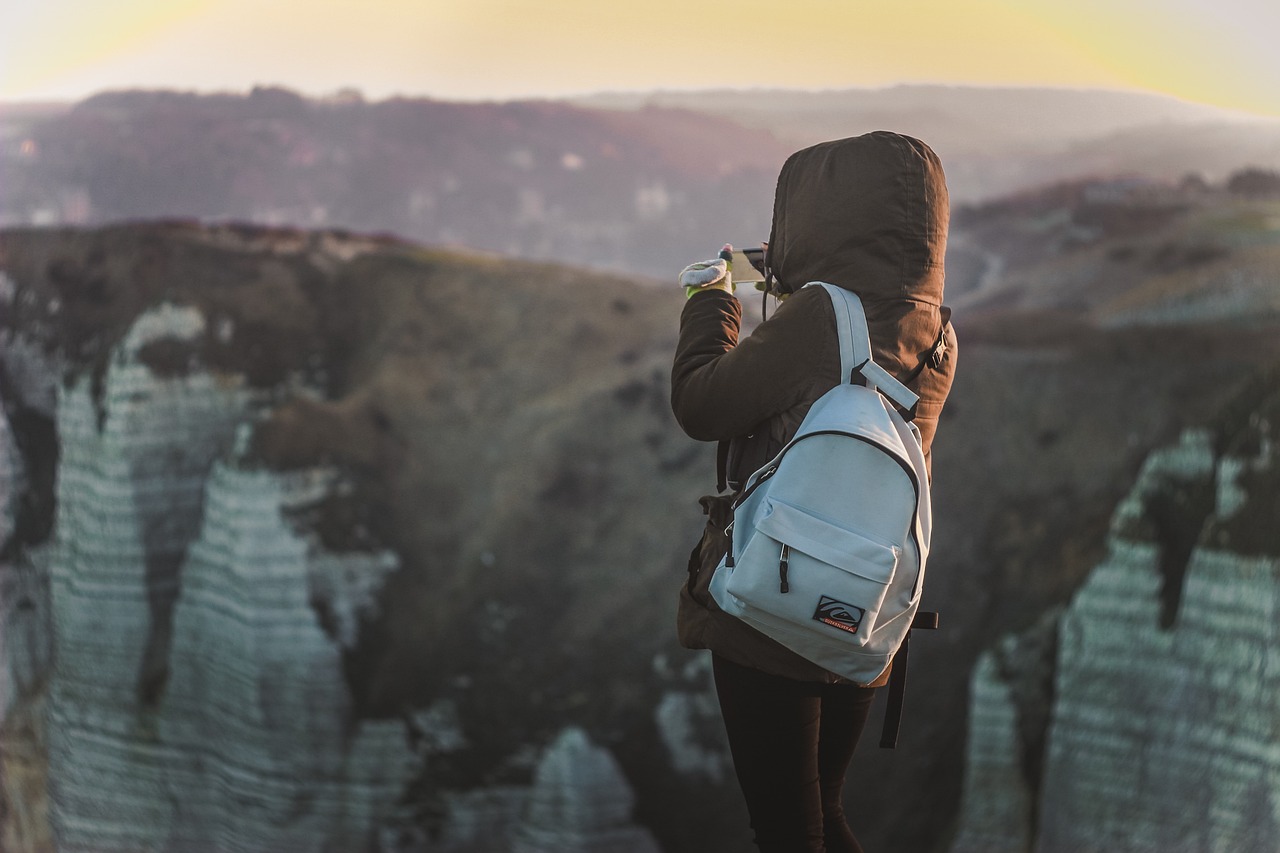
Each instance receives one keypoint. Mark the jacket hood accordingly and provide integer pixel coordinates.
(868, 213)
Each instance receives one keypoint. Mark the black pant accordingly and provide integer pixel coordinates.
(792, 742)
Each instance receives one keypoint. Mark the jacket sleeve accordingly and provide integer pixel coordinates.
(721, 388)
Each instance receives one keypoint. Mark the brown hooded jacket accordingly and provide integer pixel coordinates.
(869, 214)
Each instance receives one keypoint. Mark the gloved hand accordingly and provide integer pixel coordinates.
(715, 274)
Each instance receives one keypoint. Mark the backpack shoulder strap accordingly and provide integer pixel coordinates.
(851, 325)
(855, 349)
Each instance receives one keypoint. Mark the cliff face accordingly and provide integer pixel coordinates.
(1163, 727)
(195, 559)
(1080, 354)
(412, 514)
(190, 667)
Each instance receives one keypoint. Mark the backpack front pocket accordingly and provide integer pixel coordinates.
(807, 571)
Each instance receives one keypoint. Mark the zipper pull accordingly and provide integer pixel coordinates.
(784, 563)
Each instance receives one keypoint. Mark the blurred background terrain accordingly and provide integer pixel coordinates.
(342, 508)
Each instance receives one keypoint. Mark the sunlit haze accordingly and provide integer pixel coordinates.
(1220, 53)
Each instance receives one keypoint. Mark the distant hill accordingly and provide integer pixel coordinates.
(1120, 254)
(994, 141)
(969, 116)
(641, 184)
(543, 180)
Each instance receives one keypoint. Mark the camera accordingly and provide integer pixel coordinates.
(748, 265)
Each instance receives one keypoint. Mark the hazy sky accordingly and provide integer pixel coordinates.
(1221, 52)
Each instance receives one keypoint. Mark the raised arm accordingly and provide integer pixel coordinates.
(722, 388)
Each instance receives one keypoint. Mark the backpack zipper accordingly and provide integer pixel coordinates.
(784, 563)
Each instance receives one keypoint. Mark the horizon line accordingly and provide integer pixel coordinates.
(356, 92)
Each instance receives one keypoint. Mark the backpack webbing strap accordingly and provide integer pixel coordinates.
(722, 466)
(851, 324)
(855, 349)
(898, 682)
(936, 353)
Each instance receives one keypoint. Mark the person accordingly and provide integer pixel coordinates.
(870, 214)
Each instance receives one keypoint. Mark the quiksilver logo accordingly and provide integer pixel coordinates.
(838, 614)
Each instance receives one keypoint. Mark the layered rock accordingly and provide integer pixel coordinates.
(270, 757)
(580, 803)
(1166, 730)
(1165, 718)
(192, 670)
(28, 392)
(129, 501)
(25, 649)
(684, 716)
(262, 570)
(995, 813)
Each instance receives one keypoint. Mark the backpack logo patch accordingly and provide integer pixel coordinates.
(838, 614)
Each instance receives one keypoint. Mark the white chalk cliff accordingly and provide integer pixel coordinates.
(1165, 720)
(194, 699)
(580, 803)
(172, 670)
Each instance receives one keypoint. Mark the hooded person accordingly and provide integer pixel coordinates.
(868, 214)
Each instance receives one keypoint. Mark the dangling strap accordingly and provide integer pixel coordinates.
(722, 466)
(898, 682)
(855, 349)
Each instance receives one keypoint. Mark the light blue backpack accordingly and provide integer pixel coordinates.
(831, 536)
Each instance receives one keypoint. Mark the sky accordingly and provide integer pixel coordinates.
(1220, 52)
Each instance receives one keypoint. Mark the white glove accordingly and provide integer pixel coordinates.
(714, 274)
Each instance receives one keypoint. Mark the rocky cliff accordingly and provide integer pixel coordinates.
(1161, 685)
(415, 513)
(191, 578)
(1080, 355)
